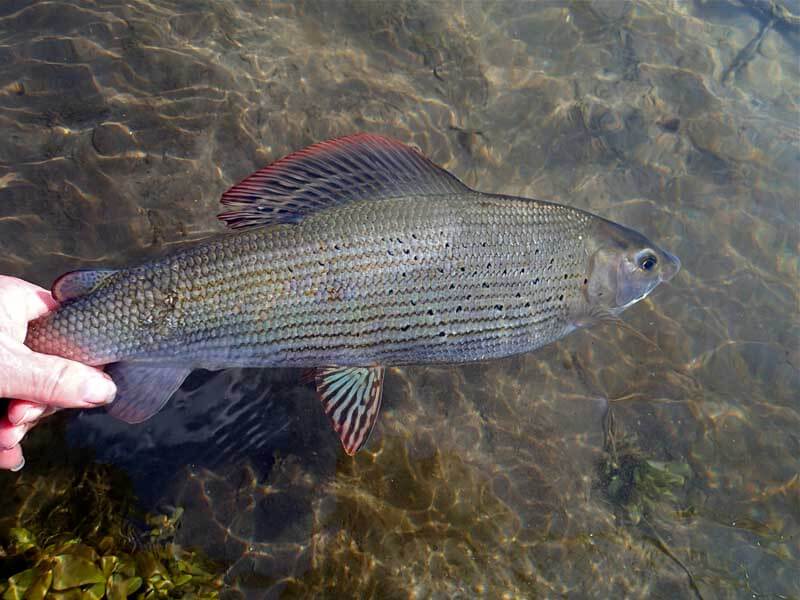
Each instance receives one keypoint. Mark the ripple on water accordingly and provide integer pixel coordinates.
(122, 123)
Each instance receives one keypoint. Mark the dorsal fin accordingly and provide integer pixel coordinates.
(79, 283)
(344, 169)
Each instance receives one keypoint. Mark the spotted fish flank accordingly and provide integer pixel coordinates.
(349, 256)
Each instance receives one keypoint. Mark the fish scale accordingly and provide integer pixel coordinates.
(381, 297)
(356, 254)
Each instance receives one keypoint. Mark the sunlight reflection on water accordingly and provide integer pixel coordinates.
(123, 122)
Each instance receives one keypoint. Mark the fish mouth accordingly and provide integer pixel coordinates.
(671, 266)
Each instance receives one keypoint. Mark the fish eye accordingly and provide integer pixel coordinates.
(647, 261)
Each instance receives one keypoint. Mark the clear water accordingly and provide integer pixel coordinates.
(121, 123)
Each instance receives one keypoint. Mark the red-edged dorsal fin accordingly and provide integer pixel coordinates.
(355, 167)
(351, 397)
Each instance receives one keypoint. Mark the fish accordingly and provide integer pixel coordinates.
(344, 258)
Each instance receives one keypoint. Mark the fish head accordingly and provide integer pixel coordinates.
(623, 267)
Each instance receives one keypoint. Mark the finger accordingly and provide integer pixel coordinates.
(22, 411)
(31, 299)
(11, 435)
(12, 459)
(54, 381)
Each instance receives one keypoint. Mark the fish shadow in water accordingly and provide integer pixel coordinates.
(216, 421)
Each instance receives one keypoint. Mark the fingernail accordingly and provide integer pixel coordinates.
(100, 390)
(30, 414)
(19, 466)
(17, 433)
(17, 420)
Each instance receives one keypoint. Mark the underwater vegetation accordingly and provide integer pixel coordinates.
(633, 483)
(70, 569)
(642, 490)
(74, 532)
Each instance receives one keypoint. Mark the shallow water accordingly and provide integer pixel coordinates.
(121, 123)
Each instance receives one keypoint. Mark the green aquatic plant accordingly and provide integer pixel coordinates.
(638, 486)
(71, 569)
(67, 532)
(636, 483)
(631, 481)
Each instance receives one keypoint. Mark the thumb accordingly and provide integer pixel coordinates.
(54, 381)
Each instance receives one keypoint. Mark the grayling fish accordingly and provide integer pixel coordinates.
(355, 254)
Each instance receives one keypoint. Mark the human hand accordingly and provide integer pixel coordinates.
(41, 384)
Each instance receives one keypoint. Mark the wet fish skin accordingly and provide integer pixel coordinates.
(356, 254)
(401, 281)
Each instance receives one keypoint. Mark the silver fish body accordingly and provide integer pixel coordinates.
(397, 281)
(412, 267)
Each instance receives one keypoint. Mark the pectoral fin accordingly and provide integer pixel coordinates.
(602, 315)
(143, 390)
(351, 397)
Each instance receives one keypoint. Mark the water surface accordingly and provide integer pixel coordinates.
(604, 465)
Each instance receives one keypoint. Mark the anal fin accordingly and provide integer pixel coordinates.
(351, 397)
(143, 390)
